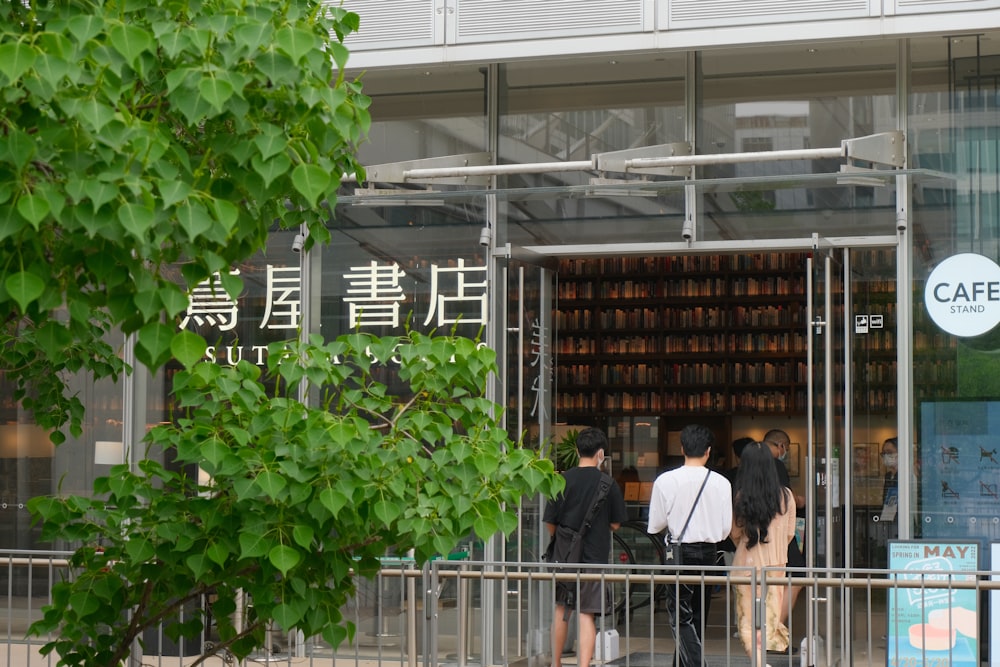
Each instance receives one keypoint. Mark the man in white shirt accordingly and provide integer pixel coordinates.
(675, 498)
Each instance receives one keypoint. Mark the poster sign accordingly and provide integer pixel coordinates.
(935, 626)
(959, 469)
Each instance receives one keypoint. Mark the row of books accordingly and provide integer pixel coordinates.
(767, 261)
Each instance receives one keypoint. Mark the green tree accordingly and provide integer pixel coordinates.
(136, 137)
(300, 498)
(140, 135)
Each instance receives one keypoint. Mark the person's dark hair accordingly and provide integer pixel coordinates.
(739, 444)
(776, 436)
(894, 442)
(758, 495)
(589, 441)
(695, 440)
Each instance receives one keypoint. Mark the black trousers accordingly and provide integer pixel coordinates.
(688, 605)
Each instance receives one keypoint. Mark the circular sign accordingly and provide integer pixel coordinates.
(962, 294)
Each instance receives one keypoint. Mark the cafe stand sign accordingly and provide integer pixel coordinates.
(962, 294)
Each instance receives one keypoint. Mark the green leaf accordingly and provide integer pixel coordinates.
(173, 42)
(387, 512)
(24, 287)
(33, 208)
(199, 564)
(188, 348)
(139, 549)
(53, 338)
(252, 36)
(284, 558)
(85, 26)
(311, 181)
(215, 451)
(485, 524)
(130, 41)
(296, 43)
(226, 213)
(136, 219)
(172, 192)
(19, 147)
(148, 303)
(15, 59)
(271, 169)
(232, 283)
(271, 483)
(84, 602)
(191, 104)
(11, 223)
(194, 218)
(174, 300)
(153, 347)
(52, 68)
(93, 112)
(270, 141)
(340, 54)
(99, 192)
(216, 91)
(288, 614)
(333, 500)
(218, 552)
(303, 536)
(277, 67)
(253, 545)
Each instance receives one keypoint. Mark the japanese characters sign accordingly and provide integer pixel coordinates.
(375, 293)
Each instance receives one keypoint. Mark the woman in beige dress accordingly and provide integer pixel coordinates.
(763, 525)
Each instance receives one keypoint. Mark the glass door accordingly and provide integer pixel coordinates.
(826, 408)
(524, 337)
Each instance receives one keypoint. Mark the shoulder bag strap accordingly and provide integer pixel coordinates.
(602, 492)
(691, 513)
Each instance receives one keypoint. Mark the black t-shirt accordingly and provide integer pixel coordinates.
(570, 508)
(782, 471)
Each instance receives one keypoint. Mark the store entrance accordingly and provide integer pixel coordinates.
(742, 342)
(797, 335)
(647, 345)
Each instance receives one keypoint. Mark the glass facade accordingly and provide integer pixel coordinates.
(434, 256)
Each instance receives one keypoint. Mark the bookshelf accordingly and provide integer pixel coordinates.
(713, 334)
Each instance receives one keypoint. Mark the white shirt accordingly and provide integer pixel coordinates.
(673, 495)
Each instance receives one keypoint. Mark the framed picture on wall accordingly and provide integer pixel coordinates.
(865, 459)
(793, 459)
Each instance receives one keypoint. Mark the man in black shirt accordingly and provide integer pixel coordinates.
(569, 509)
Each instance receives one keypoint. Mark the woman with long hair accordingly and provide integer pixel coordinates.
(763, 525)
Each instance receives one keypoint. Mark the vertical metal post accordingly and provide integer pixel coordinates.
(411, 612)
(464, 610)
(691, 102)
(494, 546)
(134, 390)
(810, 462)
(904, 304)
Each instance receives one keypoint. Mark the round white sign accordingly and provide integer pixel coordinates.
(962, 294)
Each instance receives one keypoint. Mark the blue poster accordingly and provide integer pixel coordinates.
(957, 467)
(933, 626)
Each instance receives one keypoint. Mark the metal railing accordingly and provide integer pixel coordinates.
(476, 613)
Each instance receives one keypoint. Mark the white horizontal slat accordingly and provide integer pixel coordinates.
(926, 6)
(495, 20)
(391, 23)
(711, 13)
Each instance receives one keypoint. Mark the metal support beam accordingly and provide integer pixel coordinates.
(622, 161)
(886, 149)
(399, 172)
